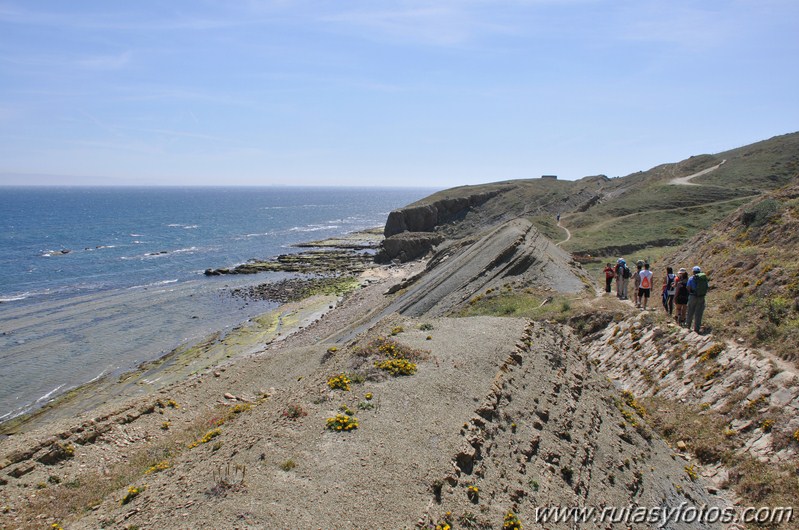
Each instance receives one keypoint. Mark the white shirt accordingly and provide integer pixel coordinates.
(646, 274)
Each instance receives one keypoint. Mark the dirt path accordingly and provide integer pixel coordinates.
(686, 181)
(568, 235)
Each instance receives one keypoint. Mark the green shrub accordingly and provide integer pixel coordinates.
(760, 213)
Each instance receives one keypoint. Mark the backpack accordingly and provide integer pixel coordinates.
(701, 284)
(669, 287)
(681, 293)
(646, 283)
(626, 273)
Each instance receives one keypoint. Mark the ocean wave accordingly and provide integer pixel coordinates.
(185, 227)
(160, 254)
(62, 290)
(45, 398)
(251, 236)
(313, 228)
(16, 298)
(49, 394)
(153, 284)
(295, 206)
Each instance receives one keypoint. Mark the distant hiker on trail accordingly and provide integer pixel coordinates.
(697, 289)
(558, 217)
(668, 291)
(622, 279)
(637, 282)
(681, 296)
(645, 288)
(609, 275)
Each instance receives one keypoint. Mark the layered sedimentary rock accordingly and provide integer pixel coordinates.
(513, 252)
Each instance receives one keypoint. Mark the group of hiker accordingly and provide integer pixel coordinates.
(683, 296)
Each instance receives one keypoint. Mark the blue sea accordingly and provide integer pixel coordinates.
(98, 280)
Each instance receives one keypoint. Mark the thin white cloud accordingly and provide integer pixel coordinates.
(434, 25)
(143, 132)
(105, 62)
(119, 20)
(687, 26)
(427, 23)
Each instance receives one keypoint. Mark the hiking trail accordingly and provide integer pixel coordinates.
(686, 181)
(568, 235)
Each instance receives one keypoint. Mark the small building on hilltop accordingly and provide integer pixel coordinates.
(551, 177)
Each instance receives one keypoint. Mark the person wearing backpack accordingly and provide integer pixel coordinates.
(668, 290)
(681, 296)
(697, 289)
(645, 286)
(625, 279)
(619, 271)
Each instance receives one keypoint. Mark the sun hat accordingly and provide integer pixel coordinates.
(682, 269)
(696, 268)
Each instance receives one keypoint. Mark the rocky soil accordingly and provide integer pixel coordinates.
(754, 395)
(510, 407)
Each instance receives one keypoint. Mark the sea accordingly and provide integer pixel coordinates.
(96, 281)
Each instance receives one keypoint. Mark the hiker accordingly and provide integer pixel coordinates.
(645, 286)
(681, 296)
(637, 282)
(697, 289)
(619, 273)
(668, 291)
(624, 278)
(609, 275)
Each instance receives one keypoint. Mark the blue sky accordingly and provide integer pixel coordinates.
(389, 93)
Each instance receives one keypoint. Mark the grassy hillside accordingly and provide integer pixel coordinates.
(764, 165)
(636, 214)
(751, 259)
(646, 209)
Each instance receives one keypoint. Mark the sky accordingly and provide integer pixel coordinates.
(384, 92)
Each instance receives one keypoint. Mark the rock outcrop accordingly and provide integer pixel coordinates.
(411, 231)
(407, 246)
(426, 217)
(514, 252)
(758, 396)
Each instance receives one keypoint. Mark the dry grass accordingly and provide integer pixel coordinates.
(707, 436)
(79, 494)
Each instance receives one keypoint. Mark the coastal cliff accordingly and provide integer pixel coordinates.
(429, 216)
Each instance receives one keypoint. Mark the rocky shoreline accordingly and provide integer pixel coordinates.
(350, 254)
(295, 289)
(326, 275)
